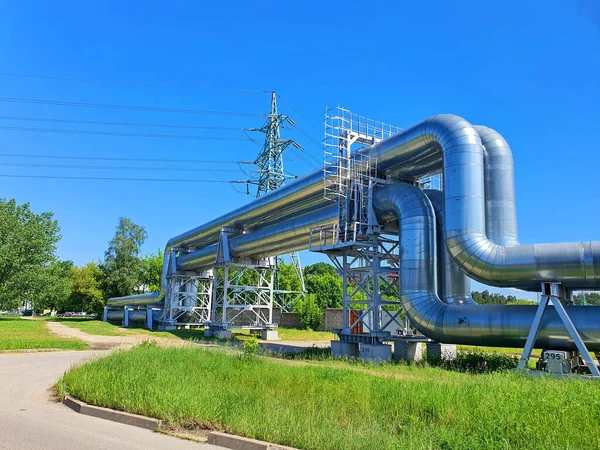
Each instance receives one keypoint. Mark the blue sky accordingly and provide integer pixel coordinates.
(528, 69)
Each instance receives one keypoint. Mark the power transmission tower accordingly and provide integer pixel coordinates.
(271, 175)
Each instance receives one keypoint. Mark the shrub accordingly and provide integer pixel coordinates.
(479, 362)
(250, 347)
(311, 315)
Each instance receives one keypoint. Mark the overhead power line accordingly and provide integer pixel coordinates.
(127, 107)
(135, 83)
(150, 169)
(105, 158)
(121, 124)
(124, 179)
(320, 129)
(117, 133)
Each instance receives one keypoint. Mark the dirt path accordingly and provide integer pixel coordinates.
(110, 342)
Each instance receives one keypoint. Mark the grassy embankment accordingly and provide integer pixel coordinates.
(332, 405)
(97, 327)
(22, 334)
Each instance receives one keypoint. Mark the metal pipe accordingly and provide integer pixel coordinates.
(500, 214)
(453, 285)
(451, 140)
(276, 240)
(135, 315)
(452, 143)
(485, 325)
(135, 300)
(499, 176)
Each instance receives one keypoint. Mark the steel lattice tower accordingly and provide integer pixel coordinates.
(270, 159)
(271, 175)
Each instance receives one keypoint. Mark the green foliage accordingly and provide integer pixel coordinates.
(121, 273)
(326, 286)
(150, 275)
(332, 405)
(479, 362)
(54, 288)
(250, 347)
(320, 268)
(487, 298)
(27, 247)
(311, 314)
(287, 278)
(523, 303)
(86, 293)
(587, 298)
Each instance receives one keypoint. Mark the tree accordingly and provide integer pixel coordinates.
(320, 268)
(53, 289)
(327, 289)
(591, 298)
(27, 247)
(86, 293)
(120, 270)
(288, 278)
(311, 315)
(150, 276)
(487, 298)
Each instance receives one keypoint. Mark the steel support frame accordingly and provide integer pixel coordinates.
(369, 270)
(190, 296)
(554, 294)
(239, 305)
(243, 290)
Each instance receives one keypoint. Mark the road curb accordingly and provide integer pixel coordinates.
(110, 414)
(242, 443)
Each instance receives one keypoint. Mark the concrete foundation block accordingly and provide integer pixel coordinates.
(166, 327)
(341, 349)
(208, 333)
(222, 334)
(436, 351)
(269, 335)
(408, 351)
(378, 352)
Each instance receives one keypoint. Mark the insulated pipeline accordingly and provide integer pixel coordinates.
(486, 325)
(453, 285)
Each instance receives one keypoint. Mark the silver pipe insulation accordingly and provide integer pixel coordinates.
(485, 325)
(452, 140)
(301, 196)
(499, 176)
(500, 215)
(451, 143)
(279, 239)
(453, 285)
(135, 315)
(149, 298)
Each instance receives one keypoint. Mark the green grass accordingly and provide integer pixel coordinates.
(23, 334)
(337, 406)
(91, 326)
(536, 353)
(99, 328)
(291, 334)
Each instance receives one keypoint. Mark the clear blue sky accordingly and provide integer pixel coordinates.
(528, 69)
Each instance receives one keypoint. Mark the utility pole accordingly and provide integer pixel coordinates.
(271, 175)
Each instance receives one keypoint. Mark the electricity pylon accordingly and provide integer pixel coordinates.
(271, 176)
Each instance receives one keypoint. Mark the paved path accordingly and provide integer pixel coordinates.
(31, 419)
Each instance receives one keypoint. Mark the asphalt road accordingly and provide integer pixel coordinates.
(31, 419)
